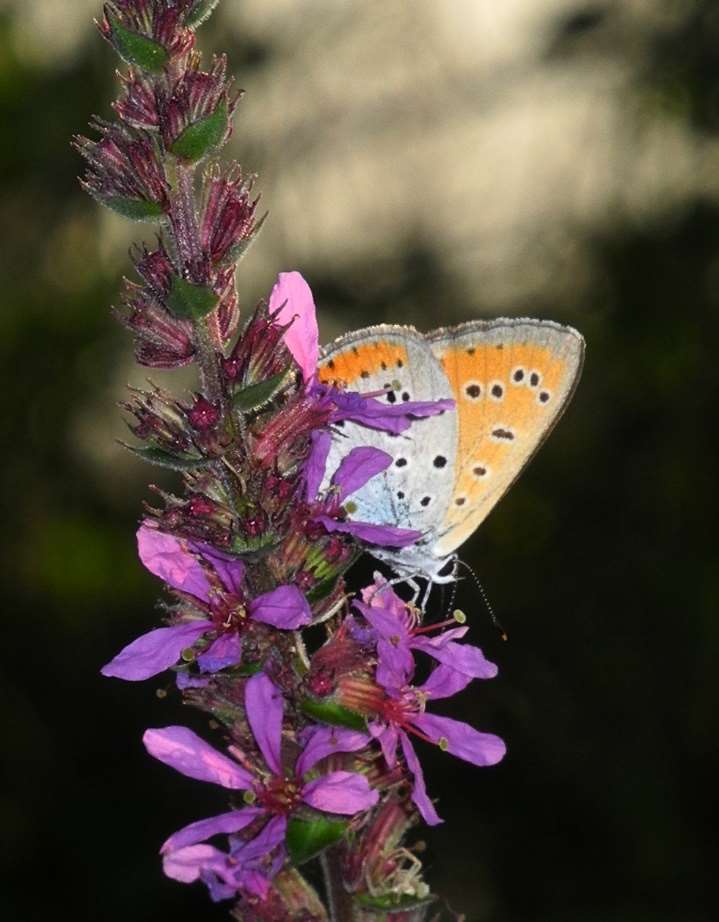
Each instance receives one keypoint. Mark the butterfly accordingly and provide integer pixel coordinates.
(511, 380)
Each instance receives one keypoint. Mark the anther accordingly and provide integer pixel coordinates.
(459, 616)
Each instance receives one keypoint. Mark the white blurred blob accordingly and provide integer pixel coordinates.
(376, 123)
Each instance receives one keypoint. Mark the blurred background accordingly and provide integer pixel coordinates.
(428, 163)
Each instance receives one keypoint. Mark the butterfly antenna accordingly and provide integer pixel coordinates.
(495, 620)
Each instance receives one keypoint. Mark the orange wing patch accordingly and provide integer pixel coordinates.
(356, 363)
(508, 397)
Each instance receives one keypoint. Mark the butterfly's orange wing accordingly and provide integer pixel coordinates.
(511, 380)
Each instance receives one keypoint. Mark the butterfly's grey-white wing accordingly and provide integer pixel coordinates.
(415, 491)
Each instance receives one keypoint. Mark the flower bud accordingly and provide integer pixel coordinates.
(138, 104)
(203, 415)
(147, 34)
(228, 217)
(197, 118)
(260, 352)
(161, 339)
(124, 172)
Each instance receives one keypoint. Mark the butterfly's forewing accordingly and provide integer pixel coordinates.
(511, 380)
(416, 489)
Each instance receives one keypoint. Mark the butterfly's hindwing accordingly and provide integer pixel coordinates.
(511, 380)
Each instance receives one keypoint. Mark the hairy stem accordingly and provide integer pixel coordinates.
(339, 901)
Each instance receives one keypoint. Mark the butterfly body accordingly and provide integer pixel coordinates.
(510, 379)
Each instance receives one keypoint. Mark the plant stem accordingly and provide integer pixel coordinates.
(339, 901)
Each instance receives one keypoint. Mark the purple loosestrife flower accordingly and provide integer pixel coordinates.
(399, 631)
(292, 299)
(317, 406)
(275, 794)
(215, 582)
(397, 708)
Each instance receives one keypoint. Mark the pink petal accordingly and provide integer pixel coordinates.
(225, 823)
(321, 442)
(184, 751)
(384, 620)
(419, 791)
(187, 864)
(284, 607)
(356, 468)
(325, 741)
(164, 556)
(340, 792)
(465, 658)
(443, 682)
(154, 652)
(264, 706)
(223, 652)
(462, 740)
(382, 535)
(230, 569)
(388, 736)
(292, 297)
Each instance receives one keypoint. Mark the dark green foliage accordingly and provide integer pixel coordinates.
(308, 838)
(190, 301)
(138, 49)
(201, 138)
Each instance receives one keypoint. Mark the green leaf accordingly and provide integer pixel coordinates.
(247, 669)
(201, 11)
(249, 546)
(257, 395)
(138, 49)
(133, 208)
(164, 459)
(329, 712)
(322, 590)
(307, 838)
(203, 136)
(190, 301)
(390, 902)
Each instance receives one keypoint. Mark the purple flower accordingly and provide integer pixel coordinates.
(399, 631)
(215, 581)
(400, 707)
(294, 304)
(277, 793)
(374, 414)
(355, 469)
